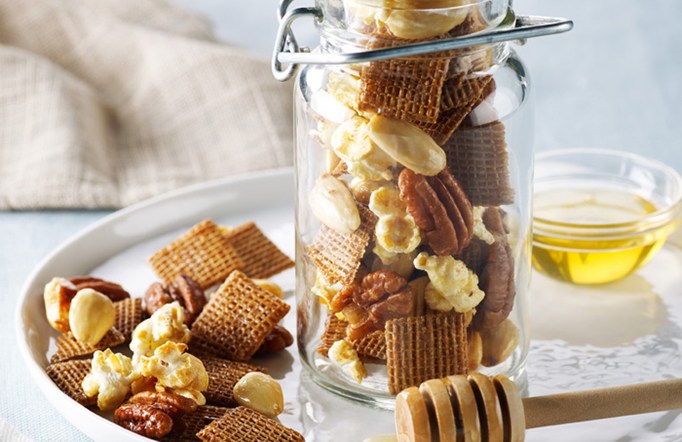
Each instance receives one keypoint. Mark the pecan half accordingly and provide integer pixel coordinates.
(498, 284)
(184, 290)
(367, 305)
(156, 297)
(110, 289)
(440, 208)
(278, 339)
(144, 419)
(170, 403)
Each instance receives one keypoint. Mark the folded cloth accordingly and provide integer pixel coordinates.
(107, 102)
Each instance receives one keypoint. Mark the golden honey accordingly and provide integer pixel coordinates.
(594, 236)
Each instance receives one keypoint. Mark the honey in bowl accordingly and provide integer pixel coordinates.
(599, 215)
(592, 255)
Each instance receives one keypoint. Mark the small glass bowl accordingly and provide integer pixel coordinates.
(599, 215)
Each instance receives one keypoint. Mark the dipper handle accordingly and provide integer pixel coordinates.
(602, 403)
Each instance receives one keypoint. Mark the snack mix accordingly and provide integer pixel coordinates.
(408, 250)
(183, 374)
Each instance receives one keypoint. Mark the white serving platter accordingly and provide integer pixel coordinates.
(583, 337)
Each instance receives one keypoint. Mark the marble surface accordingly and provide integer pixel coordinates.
(614, 82)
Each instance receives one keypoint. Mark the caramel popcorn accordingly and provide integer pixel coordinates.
(109, 378)
(166, 324)
(400, 263)
(270, 286)
(330, 108)
(452, 284)
(351, 142)
(344, 356)
(396, 231)
(180, 372)
(480, 231)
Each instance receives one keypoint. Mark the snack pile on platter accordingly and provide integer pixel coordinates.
(173, 364)
(413, 260)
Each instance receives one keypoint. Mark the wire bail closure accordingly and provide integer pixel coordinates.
(288, 55)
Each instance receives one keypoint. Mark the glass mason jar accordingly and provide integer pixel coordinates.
(414, 193)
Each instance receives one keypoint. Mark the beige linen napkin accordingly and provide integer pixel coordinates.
(106, 102)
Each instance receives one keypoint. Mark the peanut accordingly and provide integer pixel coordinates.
(408, 145)
(261, 393)
(91, 316)
(333, 205)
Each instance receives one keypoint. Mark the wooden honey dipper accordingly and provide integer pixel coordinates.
(479, 408)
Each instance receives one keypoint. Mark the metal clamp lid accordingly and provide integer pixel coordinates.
(287, 51)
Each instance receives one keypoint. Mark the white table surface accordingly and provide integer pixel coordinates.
(614, 82)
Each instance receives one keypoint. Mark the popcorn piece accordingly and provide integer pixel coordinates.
(181, 372)
(408, 145)
(452, 284)
(351, 142)
(396, 231)
(327, 106)
(261, 393)
(344, 355)
(57, 295)
(333, 205)
(109, 378)
(325, 290)
(270, 286)
(91, 316)
(166, 324)
(480, 231)
(345, 88)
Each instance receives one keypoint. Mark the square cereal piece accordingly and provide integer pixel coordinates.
(69, 348)
(129, 314)
(338, 255)
(197, 421)
(260, 256)
(478, 158)
(223, 375)
(372, 345)
(407, 89)
(202, 253)
(244, 425)
(425, 347)
(238, 317)
(334, 330)
(464, 95)
(68, 376)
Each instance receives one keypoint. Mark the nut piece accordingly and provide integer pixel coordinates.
(170, 403)
(278, 339)
(440, 208)
(408, 145)
(57, 295)
(143, 419)
(499, 343)
(498, 283)
(109, 289)
(91, 316)
(411, 23)
(261, 393)
(333, 205)
(185, 290)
